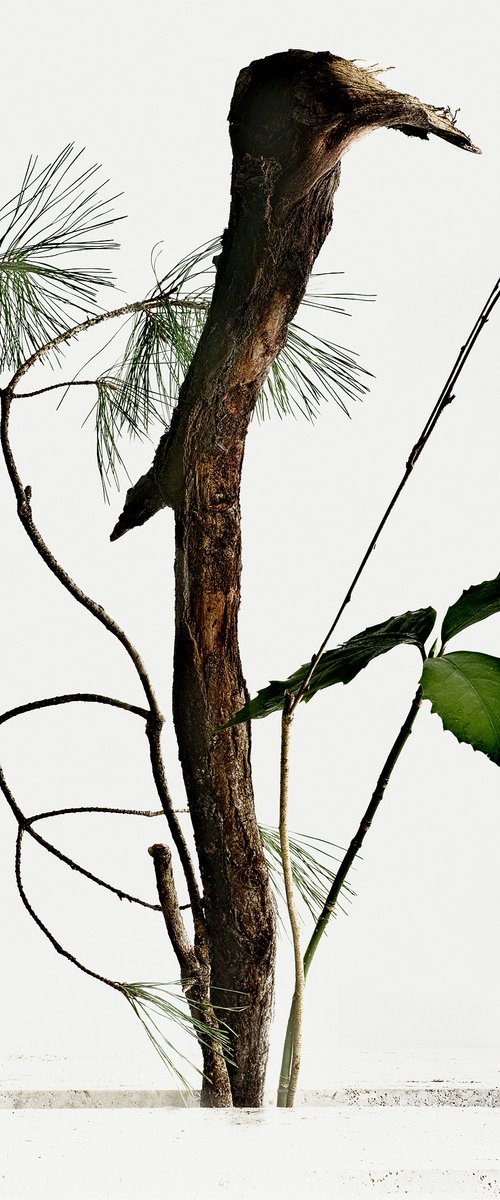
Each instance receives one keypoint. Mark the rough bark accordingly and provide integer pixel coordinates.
(292, 117)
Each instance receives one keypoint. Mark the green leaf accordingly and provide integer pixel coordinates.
(478, 602)
(344, 663)
(464, 689)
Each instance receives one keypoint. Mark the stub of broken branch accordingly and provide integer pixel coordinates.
(292, 117)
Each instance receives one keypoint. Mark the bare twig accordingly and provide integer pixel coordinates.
(93, 808)
(53, 386)
(121, 812)
(23, 497)
(13, 805)
(72, 698)
(70, 862)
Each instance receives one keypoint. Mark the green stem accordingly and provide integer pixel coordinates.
(282, 1100)
(339, 881)
(298, 994)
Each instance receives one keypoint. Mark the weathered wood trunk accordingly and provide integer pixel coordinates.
(292, 117)
(260, 281)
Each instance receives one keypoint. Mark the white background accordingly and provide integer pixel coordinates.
(146, 89)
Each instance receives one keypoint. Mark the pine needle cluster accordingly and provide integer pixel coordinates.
(57, 216)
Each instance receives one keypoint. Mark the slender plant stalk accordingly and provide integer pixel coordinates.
(445, 397)
(295, 1017)
(298, 995)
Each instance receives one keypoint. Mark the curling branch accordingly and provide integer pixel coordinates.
(155, 719)
(121, 812)
(112, 983)
(72, 698)
(25, 824)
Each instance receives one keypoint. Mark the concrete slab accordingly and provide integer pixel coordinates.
(469, 1078)
(414, 1123)
(327, 1154)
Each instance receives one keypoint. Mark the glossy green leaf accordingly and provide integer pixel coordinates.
(344, 663)
(478, 602)
(464, 689)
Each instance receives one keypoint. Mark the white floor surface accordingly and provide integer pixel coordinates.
(323, 1153)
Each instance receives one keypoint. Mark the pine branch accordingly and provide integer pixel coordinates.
(52, 387)
(58, 215)
(156, 1002)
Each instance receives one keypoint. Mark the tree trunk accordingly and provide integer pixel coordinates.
(292, 117)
